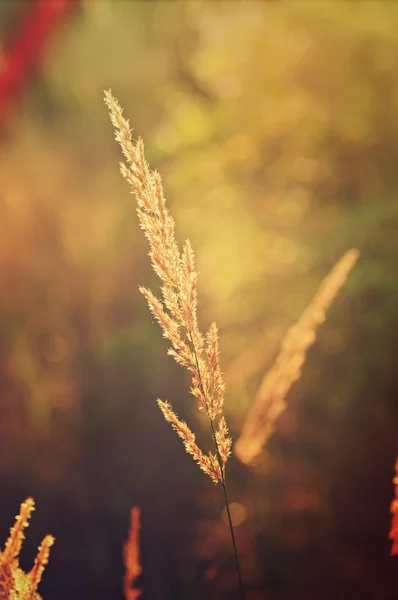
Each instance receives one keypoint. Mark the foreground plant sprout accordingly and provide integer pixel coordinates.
(15, 584)
(176, 312)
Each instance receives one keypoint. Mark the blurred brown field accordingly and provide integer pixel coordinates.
(274, 126)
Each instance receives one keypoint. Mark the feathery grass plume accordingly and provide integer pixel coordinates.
(393, 534)
(15, 584)
(270, 398)
(177, 311)
(131, 556)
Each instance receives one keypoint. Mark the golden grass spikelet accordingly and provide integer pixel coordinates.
(14, 543)
(131, 556)
(169, 326)
(270, 398)
(215, 376)
(41, 561)
(223, 440)
(207, 463)
(393, 534)
(15, 584)
(177, 313)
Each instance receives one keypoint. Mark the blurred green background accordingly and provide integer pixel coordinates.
(275, 128)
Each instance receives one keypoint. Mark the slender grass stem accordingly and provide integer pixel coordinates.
(241, 588)
(231, 527)
(223, 482)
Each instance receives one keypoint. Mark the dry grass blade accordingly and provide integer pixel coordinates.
(270, 399)
(393, 535)
(131, 556)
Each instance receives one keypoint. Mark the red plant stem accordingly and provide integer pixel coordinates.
(26, 48)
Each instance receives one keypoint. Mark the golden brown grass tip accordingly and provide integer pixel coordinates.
(270, 401)
(132, 556)
(393, 534)
(15, 584)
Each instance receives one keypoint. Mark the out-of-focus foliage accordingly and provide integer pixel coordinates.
(274, 126)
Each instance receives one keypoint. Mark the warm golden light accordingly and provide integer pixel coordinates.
(238, 514)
